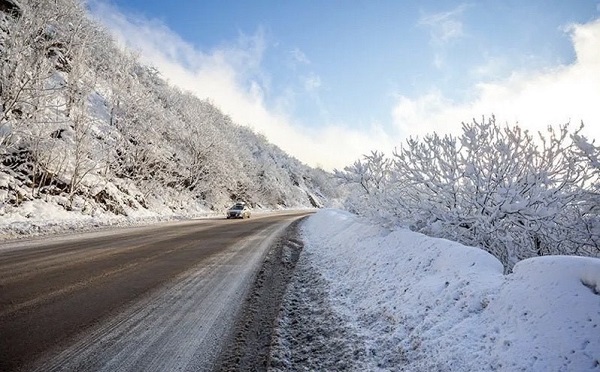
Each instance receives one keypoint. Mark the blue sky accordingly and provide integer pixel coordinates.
(331, 80)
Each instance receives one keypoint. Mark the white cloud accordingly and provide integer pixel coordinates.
(534, 99)
(312, 83)
(231, 77)
(491, 67)
(444, 26)
(299, 56)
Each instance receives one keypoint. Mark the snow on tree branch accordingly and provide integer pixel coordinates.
(511, 192)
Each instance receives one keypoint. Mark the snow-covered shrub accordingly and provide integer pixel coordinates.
(513, 193)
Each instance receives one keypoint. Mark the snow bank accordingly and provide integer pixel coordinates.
(40, 217)
(431, 304)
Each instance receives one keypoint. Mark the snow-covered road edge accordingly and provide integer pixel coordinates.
(46, 219)
(430, 304)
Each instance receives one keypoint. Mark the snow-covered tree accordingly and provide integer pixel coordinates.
(513, 193)
(85, 125)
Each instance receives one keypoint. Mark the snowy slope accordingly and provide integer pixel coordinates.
(89, 133)
(427, 304)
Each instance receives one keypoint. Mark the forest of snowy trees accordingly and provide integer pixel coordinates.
(85, 125)
(514, 193)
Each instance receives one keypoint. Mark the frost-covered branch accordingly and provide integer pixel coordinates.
(495, 186)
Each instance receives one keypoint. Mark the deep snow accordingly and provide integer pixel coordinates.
(432, 304)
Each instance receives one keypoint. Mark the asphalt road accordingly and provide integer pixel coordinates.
(151, 298)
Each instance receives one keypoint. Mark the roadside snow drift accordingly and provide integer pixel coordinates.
(431, 304)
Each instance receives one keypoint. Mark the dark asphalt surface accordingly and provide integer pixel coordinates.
(50, 293)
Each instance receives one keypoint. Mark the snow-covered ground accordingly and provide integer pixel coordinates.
(430, 304)
(37, 217)
(404, 301)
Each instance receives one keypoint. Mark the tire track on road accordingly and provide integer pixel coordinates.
(180, 326)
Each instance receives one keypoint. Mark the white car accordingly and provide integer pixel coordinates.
(238, 210)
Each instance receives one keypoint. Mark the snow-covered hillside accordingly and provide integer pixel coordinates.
(87, 130)
(415, 303)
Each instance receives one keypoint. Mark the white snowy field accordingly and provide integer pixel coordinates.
(438, 305)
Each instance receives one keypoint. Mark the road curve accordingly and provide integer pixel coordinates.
(151, 298)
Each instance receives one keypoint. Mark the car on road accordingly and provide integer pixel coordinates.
(238, 210)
